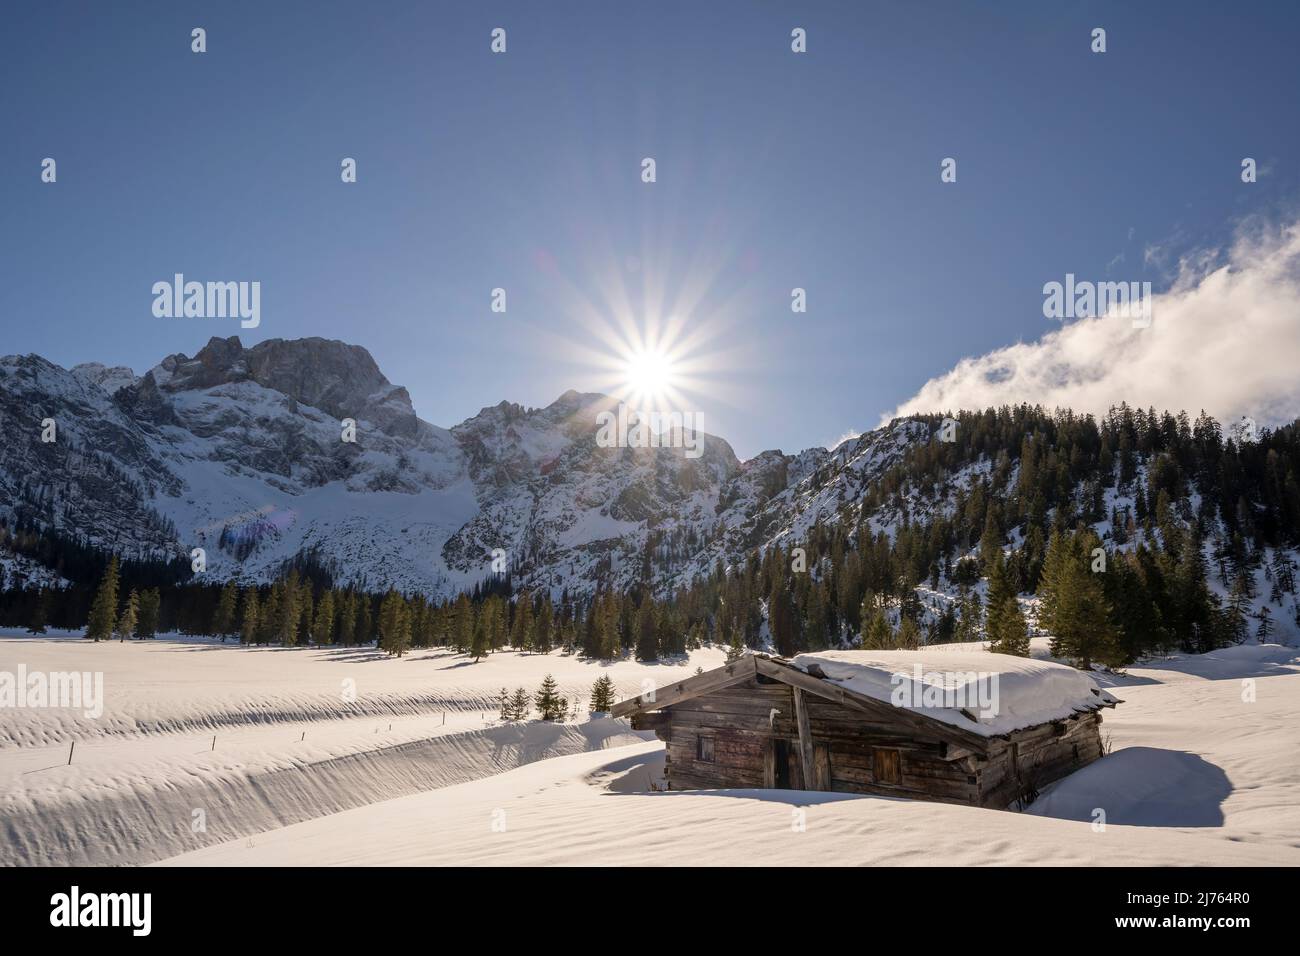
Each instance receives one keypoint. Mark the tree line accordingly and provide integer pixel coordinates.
(1110, 533)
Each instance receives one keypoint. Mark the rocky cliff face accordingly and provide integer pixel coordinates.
(239, 451)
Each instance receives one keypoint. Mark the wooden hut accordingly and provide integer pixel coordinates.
(827, 722)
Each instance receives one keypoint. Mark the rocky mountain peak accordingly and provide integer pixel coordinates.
(341, 380)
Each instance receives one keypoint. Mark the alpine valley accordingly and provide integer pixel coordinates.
(238, 451)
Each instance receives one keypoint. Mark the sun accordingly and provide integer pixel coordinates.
(651, 377)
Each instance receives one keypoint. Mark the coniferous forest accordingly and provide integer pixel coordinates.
(1142, 533)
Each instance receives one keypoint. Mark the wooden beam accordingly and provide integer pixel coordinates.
(733, 673)
(805, 740)
(650, 720)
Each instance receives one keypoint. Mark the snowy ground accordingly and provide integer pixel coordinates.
(290, 742)
(1205, 769)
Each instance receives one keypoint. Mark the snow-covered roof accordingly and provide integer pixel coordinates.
(986, 694)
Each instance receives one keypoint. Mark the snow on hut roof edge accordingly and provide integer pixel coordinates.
(981, 692)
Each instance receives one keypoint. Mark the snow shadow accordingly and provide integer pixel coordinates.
(1141, 787)
(640, 773)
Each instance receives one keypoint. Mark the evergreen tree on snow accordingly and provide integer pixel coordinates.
(1006, 630)
(103, 611)
(647, 647)
(322, 630)
(365, 619)
(877, 634)
(147, 624)
(548, 703)
(287, 614)
(735, 650)
(1264, 633)
(521, 632)
(1073, 606)
(602, 694)
(520, 704)
(464, 624)
(126, 622)
(481, 642)
(223, 621)
(250, 622)
(40, 613)
(908, 637)
(1236, 612)
(394, 625)
(306, 612)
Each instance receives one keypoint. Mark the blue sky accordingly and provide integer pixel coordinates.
(522, 171)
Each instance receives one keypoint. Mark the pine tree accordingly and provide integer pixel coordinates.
(909, 634)
(520, 705)
(877, 635)
(365, 619)
(394, 624)
(735, 650)
(287, 611)
(1074, 609)
(549, 704)
(544, 626)
(1265, 632)
(1013, 631)
(602, 694)
(999, 593)
(498, 633)
(250, 623)
(103, 611)
(990, 541)
(1236, 612)
(464, 626)
(322, 629)
(504, 702)
(130, 612)
(223, 621)
(306, 612)
(968, 620)
(521, 632)
(269, 614)
(150, 613)
(481, 641)
(347, 607)
(647, 647)
(40, 613)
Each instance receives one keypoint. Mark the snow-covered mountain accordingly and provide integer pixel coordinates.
(240, 451)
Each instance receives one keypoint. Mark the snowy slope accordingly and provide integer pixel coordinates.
(260, 738)
(1195, 778)
(1200, 771)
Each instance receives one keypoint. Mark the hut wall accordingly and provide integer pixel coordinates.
(1036, 756)
(855, 752)
(739, 721)
(751, 747)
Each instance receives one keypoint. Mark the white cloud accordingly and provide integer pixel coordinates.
(848, 435)
(1225, 337)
